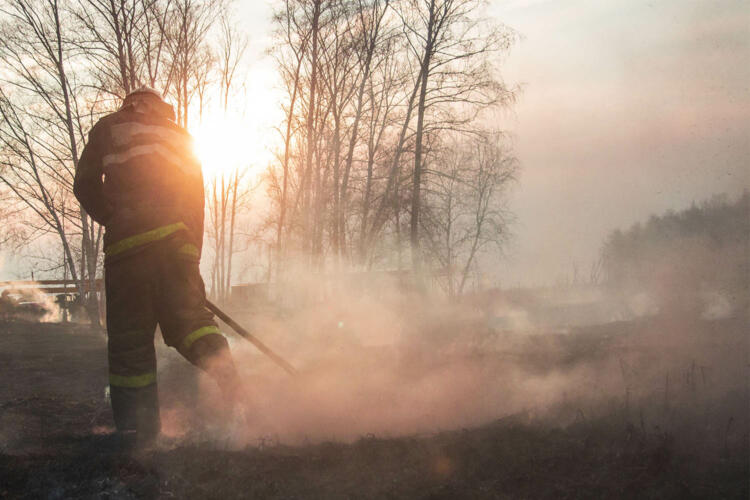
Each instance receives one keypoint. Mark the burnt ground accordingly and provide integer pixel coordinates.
(54, 443)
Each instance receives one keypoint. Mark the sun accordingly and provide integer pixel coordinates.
(245, 135)
(221, 145)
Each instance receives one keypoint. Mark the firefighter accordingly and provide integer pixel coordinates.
(138, 176)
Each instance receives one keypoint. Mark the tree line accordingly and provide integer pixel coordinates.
(390, 150)
(680, 257)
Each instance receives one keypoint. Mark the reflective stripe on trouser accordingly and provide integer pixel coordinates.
(133, 381)
(190, 339)
(159, 285)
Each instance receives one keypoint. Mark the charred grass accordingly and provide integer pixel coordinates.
(511, 458)
(684, 440)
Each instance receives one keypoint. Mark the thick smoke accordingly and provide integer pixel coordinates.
(25, 300)
(387, 363)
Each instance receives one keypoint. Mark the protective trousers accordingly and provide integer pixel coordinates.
(161, 284)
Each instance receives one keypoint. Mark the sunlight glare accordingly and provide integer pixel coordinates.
(245, 136)
(221, 145)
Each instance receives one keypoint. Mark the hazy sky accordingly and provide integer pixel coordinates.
(628, 108)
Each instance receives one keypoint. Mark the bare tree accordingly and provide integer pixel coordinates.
(310, 118)
(232, 47)
(40, 138)
(464, 205)
(295, 38)
(186, 27)
(370, 20)
(452, 46)
(107, 34)
(337, 72)
(230, 189)
(374, 88)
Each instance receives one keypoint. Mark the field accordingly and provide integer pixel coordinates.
(669, 420)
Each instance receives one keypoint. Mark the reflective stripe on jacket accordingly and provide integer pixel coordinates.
(138, 176)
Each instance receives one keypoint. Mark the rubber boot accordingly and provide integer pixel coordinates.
(136, 415)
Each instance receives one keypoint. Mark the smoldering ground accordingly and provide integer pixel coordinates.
(392, 365)
(652, 406)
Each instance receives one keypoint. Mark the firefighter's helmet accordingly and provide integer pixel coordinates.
(145, 89)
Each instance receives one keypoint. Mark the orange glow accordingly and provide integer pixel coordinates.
(243, 137)
(221, 144)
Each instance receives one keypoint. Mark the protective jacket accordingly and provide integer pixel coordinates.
(139, 177)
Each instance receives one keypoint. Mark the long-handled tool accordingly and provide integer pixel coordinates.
(257, 343)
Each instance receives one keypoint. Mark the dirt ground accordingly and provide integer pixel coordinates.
(55, 439)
